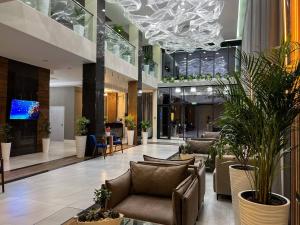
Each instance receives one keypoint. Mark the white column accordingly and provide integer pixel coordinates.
(154, 115)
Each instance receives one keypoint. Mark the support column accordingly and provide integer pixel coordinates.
(154, 116)
(93, 83)
(133, 105)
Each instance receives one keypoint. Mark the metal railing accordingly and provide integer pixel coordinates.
(67, 12)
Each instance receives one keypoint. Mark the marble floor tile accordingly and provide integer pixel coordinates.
(33, 199)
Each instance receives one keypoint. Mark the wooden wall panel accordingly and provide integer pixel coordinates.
(112, 107)
(132, 104)
(295, 167)
(43, 99)
(3, 88)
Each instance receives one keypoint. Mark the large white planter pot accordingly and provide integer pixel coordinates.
(126, 132)
(145, 137)
(130, 137)
(127, 58)
(5, 147)
(43, 6)
(79, 29)
(80, 146)
(46, 144)
(238, 182)
(146, 69)
(252, 213)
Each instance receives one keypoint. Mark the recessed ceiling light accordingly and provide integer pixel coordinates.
(204, 52)
(140, 91)
(205, 57)
(105, 94)
(177, 90)
(217, 53)
(103, 10)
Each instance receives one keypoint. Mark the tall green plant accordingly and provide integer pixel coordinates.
(6, 133)
(129, 122)
(81, 126)
(261, 103)
(145, 124)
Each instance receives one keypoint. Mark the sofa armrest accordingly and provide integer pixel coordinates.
(177, 196)
(119, 187)
(190, 204)
(202, 184)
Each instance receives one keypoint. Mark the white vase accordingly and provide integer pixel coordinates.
(146, 69)
(127, 58)
(239, 181)
(46, 144)
(80, 146)
(116, 50)
(252, 213)
(43, 6)
(130, 137)
(5, 147)
(145, 137)
(79, 29)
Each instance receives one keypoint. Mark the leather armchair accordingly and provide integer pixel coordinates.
(178, 208)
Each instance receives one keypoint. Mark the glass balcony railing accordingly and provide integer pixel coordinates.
(119, 46)
(150, 69)
(67, 12)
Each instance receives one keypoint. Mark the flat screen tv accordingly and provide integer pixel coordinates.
(24, 110)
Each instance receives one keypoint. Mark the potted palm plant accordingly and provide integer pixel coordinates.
(98, 214)
(145, 124)
(46, 130)
(6, 138)
(81, 136)
(129, 121)
(267, 97)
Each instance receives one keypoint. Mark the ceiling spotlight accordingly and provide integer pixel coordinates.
(103, 10)
(193, 89)
(204, 52)
(217, 53)
(177, 90)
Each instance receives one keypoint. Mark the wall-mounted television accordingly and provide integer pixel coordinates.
(24, 110)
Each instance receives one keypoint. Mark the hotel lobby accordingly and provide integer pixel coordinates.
(142, 112)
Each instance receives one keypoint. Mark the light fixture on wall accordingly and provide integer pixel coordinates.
(140, 91)
(193, 89)
(177, 24)
(105, 94)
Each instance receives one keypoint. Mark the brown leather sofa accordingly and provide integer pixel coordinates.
(197, 169)
(163, 194)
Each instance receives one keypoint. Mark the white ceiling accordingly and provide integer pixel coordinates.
(228, 18)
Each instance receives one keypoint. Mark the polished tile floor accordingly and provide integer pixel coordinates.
(31, 200)
(57, 150)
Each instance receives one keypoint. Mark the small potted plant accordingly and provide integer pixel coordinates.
(218, 75)
(6, 138)
(129, 121)
(145, 124)
(81, 136)
(46, 130)
(107, 131)
(181, 77)
(199, 77)
(185, 151)
(98, 214)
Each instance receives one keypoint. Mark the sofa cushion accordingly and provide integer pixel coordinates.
(208, 134)
(156, 180)
(201, 147)
(190, 161)
(147, 208)
(119, 187)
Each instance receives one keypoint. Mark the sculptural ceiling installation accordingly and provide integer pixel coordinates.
(177, 24)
